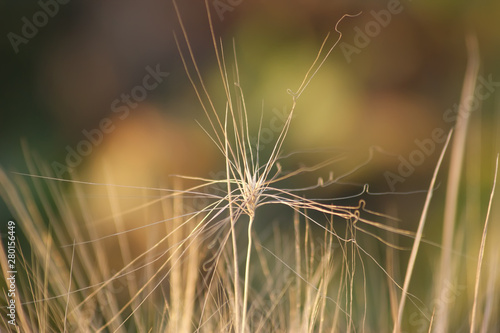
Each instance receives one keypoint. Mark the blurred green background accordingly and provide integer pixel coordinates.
(394, 89)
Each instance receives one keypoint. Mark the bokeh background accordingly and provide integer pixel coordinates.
(395, 89)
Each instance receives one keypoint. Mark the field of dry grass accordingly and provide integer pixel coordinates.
(196, 254)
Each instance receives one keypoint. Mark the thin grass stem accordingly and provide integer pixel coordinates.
(418, 237)
(481, 253)
(247, 275)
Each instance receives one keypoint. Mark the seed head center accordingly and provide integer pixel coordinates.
(251, 194)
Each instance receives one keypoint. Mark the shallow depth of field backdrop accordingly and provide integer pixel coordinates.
(109, 71)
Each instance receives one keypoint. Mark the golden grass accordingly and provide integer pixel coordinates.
(184, 276)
